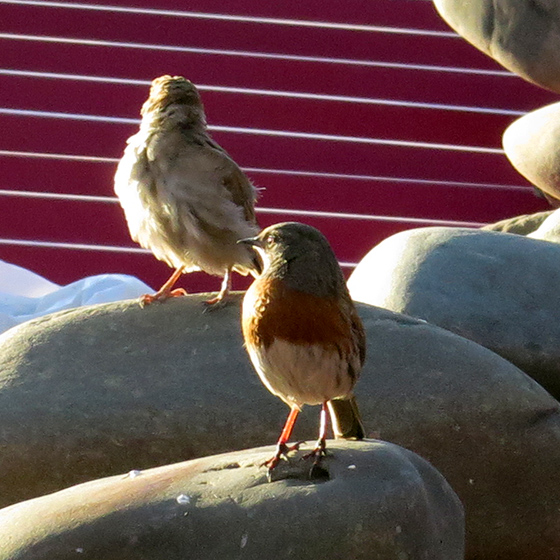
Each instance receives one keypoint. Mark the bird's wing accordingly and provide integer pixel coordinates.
(359, 335)
(195, 178)
(242, 191)
(354, 346)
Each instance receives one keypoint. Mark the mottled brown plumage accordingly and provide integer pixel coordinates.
(183, 196)
(302, 331)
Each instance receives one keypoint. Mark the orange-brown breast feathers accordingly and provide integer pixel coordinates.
(301, 318)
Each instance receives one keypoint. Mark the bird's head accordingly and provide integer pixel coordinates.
(167, 91)
(298, 254)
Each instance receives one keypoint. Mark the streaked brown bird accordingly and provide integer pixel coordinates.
(183, 196)
(302, 332)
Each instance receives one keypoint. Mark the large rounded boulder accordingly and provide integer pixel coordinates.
(519, 225)
(522, 35)
(376, 502)
(549, 230)
(497, 289)
(114, 388)
(531, 145)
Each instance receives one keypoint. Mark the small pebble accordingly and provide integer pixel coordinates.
(183, 499)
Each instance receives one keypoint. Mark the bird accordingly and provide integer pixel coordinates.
(302, 332)
(183, 196)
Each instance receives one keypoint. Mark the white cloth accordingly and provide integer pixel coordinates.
(25, 295)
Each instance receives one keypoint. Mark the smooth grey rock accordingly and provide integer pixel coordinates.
(112, 388)
(531, 145)
(549, 230)
(519, 225)
(497, 289)
(380, 502)
(522, 35)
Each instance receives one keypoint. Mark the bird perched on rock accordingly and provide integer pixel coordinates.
(184, 198)
(302, 331)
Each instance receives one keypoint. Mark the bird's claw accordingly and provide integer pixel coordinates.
(317, 472)
(215, 303)
(218, 302)
(317, 453)
(160, 297)
(282, 451)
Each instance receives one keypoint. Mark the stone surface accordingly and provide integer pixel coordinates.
(494, 288)
(549, 230)
(522, 35)
(531, 145)
(112, 388)
(519, 225)
(380, 502)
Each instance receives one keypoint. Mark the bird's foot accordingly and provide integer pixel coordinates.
(218, 302)
(221, 299)
(215, 303)
(161, 296)
(282, 451)
(317, 453)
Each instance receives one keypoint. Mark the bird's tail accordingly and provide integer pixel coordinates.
(345, 418)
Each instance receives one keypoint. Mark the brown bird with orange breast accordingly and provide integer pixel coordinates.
(302, 332)
(184, 198)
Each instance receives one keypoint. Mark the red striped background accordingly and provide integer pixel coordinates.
(362, 118)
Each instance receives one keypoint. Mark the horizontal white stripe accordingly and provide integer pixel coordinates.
(79, 246)
(266, 132)
(274, 93)
(235, 18)
(367, 217)
(58, 196)
(357, 140)
(252, 54)
(73, 77)
(64, 157)
(259, 210)
(385, 179)
(290, 172)
(102, 248)
(67, 116)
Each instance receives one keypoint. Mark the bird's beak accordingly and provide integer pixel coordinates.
(251, 241)
(256, 244)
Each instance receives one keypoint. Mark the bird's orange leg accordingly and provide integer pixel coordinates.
(220, 299)
(166, 291)
(282, 449)
(321, 446)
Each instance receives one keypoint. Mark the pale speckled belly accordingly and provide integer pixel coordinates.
(302, 374)
(191, 247)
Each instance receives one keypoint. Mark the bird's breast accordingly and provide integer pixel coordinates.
(302, 346)
(272, 311)
(302, 373)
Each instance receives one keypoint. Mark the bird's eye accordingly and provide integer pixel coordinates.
(269, 240)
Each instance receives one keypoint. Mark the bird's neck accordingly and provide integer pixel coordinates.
(175, 116)
(300, 275)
